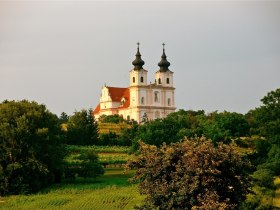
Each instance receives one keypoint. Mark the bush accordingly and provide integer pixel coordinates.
(191, 174)
(87, 166)
(263, 178)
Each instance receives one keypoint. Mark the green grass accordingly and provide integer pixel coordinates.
(111, 191)
(108, 155)
(112, 127)
(103, 149)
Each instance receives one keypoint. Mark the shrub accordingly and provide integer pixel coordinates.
(191, 174)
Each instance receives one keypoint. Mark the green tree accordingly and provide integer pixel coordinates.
(63, 117)
(266, 119)
(82, 128)
(193, 174)
(87, 166)
(111, 118)
(90, 165)
(30, 147)
(224, 126)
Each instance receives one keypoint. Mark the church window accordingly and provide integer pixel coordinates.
(159, 81)
(169, 102)
(142, 100)
(133, 79)
(142, 79)
(156, 96)
(167, 80)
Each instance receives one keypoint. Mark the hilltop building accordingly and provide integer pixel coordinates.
(141, 99)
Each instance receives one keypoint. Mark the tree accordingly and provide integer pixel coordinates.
(90, 165)
(266, 118)
(82, 129)
(86, 165)
(63, 118)
(193, 174)
(30, 146)
(111, 118)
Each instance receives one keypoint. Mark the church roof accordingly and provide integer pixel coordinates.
(97, 109)
(117, 94)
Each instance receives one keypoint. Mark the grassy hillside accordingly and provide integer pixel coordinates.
(112, 191)
(112, 127)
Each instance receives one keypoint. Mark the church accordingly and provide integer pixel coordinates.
(142, 100)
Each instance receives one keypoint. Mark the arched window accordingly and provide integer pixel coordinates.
(156, 96)
(142, 100)
(169, 102)
(128, 117)
(167, 80)
(159, 81)
(133, 79)
(142, 79)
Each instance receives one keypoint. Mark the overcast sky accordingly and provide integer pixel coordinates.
(224, 55)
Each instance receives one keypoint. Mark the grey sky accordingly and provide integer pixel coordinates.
(225, 55)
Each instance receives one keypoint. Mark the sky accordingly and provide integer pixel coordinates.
(225, 55)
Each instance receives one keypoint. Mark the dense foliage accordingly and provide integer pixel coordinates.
(111, 118)
(193, 174)
(82, 129)
(30, 147)
(87, 165)
(265, 121)
(220, 127)
(124, 138)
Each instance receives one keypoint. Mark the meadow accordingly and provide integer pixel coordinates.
(109, 156)
(111, 191)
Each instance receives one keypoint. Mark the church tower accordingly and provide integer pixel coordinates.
(138, 86)
(164, 76)
(138, 75)
(164, 82)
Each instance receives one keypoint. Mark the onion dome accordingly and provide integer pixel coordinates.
(163, 64)
(138, 62)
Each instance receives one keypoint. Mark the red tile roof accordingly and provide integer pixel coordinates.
(97, 109)
(126, 95)
(116, 95)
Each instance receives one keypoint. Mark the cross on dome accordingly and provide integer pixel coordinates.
(138, 62)
(163, 64)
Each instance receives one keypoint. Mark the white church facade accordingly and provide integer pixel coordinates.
(142, 99)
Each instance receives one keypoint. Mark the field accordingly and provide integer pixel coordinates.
(112, 127)
(108, 155)
(110, 191)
